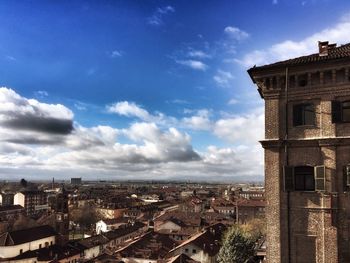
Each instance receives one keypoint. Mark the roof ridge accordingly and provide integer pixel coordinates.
(338, 52)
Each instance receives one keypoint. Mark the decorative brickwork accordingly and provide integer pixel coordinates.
(307, 226)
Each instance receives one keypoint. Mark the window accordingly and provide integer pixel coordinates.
(304, 178)
(340, 111)
(303, 114)
(20, 251)
(194, 251)
(186, 250)
(302, 80)
(347, 177)
(345, 111)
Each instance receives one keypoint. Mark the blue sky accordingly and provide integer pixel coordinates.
(146, 88)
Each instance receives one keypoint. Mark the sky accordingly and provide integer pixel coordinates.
(154, 90)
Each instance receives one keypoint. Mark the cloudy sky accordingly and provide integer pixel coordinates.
(140, 89)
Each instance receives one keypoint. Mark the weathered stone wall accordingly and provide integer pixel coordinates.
(320, 221)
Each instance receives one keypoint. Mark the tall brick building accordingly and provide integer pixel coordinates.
(307, 155)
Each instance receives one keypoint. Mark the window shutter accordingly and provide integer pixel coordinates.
(320, 178)
(336, 111)
(347, 176)
(288, 178)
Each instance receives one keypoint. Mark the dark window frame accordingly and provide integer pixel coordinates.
(304, 178)
(346, 181)
(300, 114)
(338, 108)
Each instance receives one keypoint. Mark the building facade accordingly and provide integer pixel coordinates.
(14, 243)
(33, 201)
(307, 155)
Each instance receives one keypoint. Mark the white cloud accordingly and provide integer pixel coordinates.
(223, 78)
(236, 33)
(247, 128)
(339, 33)
(194, 64)
(198, 54)
(232, 101)
(41, 94)
(116, 54)
(129, 109)
(13, 104)
(179, 101)
(99, 151)
(199, 121)
(157, 18)
(11, 58)
(80, 106)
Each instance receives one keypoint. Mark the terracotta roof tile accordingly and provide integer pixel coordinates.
(335, 53)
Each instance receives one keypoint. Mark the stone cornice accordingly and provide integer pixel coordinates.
(336, 90)
(313, 142)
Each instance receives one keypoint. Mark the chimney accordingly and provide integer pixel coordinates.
(324, 46)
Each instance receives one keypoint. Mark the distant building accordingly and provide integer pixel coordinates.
(248, 209)
(14, 243)
(150, 248)
(106, 225)
(223, 206)
(33, 201)
(6, 198)
(182, 258)
(55, 253)
(203, 247)
(76, 181)
(10, 212)
(307, 155)
(259, 195)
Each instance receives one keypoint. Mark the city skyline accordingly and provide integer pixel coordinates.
(129, 90)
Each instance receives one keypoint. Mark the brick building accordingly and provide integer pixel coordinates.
(33, 201)
(307, 155)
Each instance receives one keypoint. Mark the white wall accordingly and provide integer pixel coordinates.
(92, 252)
(138, 260)
(168, 225)
(13, 251)
(198, 255)
(101, 226)
(18, 199)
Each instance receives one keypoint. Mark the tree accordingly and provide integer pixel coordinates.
(86, 217)
(256, 228)
(237, 247)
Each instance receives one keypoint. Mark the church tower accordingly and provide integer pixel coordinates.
(62, 217)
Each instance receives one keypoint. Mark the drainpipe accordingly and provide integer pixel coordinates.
(286, 162)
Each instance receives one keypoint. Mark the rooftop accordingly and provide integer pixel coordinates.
(151, 246)
(330, 53)
(10, 208)
(17, 237)
(208, 240)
